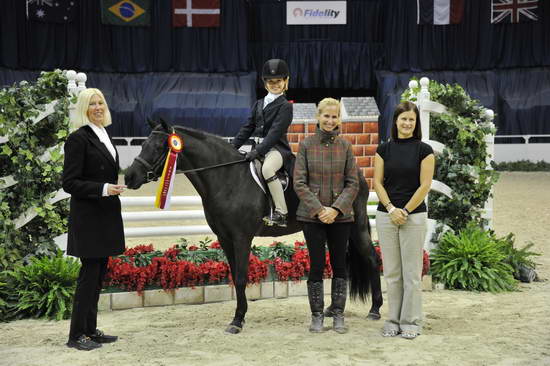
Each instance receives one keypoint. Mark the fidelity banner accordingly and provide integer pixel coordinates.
(315, 12)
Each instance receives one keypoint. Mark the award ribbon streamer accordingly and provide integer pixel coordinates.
(166, 184)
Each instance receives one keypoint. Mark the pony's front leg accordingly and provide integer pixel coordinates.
(240, 279)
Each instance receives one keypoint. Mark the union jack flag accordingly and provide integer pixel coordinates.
(514, 11)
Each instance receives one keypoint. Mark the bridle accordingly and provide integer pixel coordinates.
(152, 169)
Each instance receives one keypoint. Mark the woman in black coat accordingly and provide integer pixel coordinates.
(90, 175)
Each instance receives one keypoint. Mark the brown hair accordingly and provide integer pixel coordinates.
(406, 107)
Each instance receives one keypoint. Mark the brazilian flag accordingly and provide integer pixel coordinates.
(126, 12)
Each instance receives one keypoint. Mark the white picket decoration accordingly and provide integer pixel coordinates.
(426, 107)
(49, 108)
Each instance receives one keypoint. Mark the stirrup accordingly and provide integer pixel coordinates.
(277, 218)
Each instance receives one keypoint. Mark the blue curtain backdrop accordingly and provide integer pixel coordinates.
(88, 45)
(503, 65)
(519, 97)
(216, 103)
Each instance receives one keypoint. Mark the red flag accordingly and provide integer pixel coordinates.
(196, 13)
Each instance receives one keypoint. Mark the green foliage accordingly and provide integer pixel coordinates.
(34, 157)
(9, 258)
(42, 289)
(472, 260)
(462, 165)
(523, 166)
(276, 250)
(517, 258)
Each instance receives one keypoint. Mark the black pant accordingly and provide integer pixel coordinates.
(86, 297)
(336, 236)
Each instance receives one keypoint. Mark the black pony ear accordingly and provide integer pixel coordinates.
(165, 125)
(152, 123)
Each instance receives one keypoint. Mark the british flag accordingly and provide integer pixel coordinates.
(514, 11)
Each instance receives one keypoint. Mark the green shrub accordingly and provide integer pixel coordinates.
(463, 163)
(25, 157)
(523, 166)
(42, 289)
(472, 260)
(517, 258)
(9, 258)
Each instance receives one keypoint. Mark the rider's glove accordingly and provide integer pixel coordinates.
(252, 155)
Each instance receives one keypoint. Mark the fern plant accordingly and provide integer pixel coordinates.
(42, 289)
(472, 260)
(517, 258)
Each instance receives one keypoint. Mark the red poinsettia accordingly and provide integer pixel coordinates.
(215, 245)
(139, 249)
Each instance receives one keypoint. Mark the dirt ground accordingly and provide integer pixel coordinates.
(461, 328)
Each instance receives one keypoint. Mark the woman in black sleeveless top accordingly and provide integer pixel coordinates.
(403, 172)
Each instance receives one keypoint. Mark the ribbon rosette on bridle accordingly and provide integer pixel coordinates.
(164, 190)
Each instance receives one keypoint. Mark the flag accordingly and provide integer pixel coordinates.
(126, 12)
(196, 13)
(440, 12)
(514, 11)
(53, 11)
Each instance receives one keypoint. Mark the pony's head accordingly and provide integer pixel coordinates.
(149, 164)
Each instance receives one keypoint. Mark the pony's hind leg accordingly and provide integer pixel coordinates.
(238, 262)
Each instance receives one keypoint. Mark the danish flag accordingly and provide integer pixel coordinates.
(196, 13)
(514, 11)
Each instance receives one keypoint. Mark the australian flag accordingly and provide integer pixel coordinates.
(53, 11)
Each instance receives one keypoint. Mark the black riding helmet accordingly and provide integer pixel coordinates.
(275, 69)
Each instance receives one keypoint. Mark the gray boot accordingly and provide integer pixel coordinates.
(316, 303)
(339, 295)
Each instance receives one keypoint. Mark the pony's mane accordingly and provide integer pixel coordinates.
(211, 138)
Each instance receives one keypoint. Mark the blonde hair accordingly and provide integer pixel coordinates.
(81, 109)
(328, 102)
(285, 80)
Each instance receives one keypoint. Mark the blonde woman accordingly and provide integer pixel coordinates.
(90, 174)
(326, 181)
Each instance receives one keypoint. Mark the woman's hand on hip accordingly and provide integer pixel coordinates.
(115, 189)
(328, 215)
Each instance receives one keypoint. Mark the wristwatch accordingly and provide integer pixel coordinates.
(406, 211)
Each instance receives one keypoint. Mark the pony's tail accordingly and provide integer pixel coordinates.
(362, 272)
(362, 266)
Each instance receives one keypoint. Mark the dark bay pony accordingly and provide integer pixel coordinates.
(234, 206)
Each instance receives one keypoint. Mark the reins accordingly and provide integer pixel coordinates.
(212, 166)
(151, 176)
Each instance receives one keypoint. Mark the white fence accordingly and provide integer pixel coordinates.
(189, 201)
(522, 151)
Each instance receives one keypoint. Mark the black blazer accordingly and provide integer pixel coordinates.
(95, 222)
(270, 123)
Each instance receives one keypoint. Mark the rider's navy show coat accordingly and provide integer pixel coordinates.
(271, 123)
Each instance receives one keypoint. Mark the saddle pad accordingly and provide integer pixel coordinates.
(256, 171)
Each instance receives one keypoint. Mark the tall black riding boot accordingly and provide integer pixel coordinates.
(316, 303)
(339, 295)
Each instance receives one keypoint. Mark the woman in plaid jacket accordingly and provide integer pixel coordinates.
(326, 181)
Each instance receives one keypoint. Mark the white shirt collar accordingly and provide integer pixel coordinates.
(102, 135)
(98, 130)
(270, 97)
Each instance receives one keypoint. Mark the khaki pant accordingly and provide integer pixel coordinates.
(272, 163)
(402, 247)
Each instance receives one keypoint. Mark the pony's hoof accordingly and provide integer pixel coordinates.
(233, 329)
(373, 316)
